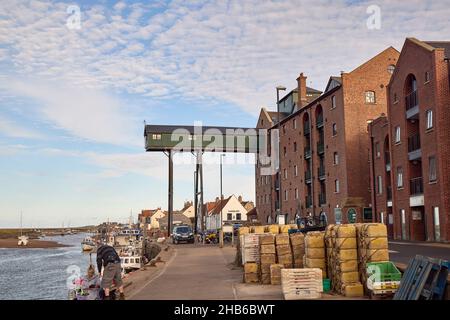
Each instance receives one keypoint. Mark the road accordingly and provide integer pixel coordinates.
(402, 252)
(195, 272)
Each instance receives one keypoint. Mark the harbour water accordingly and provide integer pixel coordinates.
(42, 274)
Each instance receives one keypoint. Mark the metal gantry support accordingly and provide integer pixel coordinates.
(199, 219)
(169, 154)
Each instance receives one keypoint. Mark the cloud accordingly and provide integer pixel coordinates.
(14, 130)
(85, 113)
(233, 51)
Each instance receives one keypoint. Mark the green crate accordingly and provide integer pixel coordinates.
(388, 271)
(326, 285)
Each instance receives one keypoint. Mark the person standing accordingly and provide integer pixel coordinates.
(108, 258)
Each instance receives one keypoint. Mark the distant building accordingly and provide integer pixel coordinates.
(177, 218)
(231, 209)
(148, 219)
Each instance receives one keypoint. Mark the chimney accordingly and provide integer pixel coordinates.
(217, 199)
(302, 99)
(240, 198)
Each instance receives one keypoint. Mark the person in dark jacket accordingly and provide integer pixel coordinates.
(108, 258)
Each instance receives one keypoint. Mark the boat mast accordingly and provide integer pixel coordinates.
(21, 232)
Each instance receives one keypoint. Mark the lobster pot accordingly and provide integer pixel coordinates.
(315, 251)
(301, 284)
(250, 248)
(285, 228)
(250, 255)
(282, 239)
(275, 273)
(273, 229)
(298, 249)
(251, 272)
(372, 246)
(243, 230)
(257, 229)
(268, 256)
(267, 238)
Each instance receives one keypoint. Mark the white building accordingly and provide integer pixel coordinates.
(232, 212)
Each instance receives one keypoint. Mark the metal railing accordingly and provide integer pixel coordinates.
(416, 186)
(308, 201)
(321, 171)
(319, 121)
(414, 143)
(306, 128)
(308, 175)
(322, 199)
(412, 100)
(320, 147)
(389, 193)
(307, 152)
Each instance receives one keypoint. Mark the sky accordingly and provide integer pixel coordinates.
(78, 79)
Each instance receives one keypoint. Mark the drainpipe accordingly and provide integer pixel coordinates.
(374, 185)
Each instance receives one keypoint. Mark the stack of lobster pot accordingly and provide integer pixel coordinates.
(342, 260)
(268, 256)
(372, 246)
(273, 229)
(315, 251)
(298, 249)
(283, 247)
(251, 272)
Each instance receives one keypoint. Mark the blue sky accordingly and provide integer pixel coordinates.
(73, 101)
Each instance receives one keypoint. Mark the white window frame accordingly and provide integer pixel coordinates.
(334, 129)
(430, 120)
(296, 170)
(286, 195)
(398, 134)
(337, 186)
(370, 97)
(333, 102)
(400, 182)
(432, 176)
(336, 158)
(379, 185)
(296, 194)
(156, 136)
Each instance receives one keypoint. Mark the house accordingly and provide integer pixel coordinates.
(248, 205)
(188, 210)
(231, 209)
(177, 218)
(148, 219)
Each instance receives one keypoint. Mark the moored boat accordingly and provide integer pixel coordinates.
(87, 244)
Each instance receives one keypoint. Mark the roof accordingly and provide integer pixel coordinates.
(313, 91)
(220, 205)
(158, 129)
(333, 82)
(148, 213)
(440, 44)
(253, 212)
(175, 217)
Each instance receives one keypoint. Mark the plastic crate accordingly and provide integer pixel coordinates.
(383, 272)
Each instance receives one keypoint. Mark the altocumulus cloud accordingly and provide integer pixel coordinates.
(233, 51)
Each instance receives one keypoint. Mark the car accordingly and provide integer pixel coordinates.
(182, 233)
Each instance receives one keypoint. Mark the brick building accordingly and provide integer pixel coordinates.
(324, 147)
(410, 147)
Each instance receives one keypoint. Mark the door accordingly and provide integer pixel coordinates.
(418, 224)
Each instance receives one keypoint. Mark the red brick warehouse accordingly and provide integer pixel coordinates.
(325, 147)
(411, 147)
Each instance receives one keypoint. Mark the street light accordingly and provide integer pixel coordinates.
(221, 204)
(279, 88)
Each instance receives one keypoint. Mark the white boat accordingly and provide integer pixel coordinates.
(130, 263)
(87, 244)
(23, 240)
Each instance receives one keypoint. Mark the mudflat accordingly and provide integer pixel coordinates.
(33, 244)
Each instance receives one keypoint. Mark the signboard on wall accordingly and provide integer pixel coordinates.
(351, 215)
(416, 215)
(338, 215)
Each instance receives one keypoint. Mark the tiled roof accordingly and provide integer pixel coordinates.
(440, 44)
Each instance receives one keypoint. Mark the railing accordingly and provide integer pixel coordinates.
(307, 152)
(308, 175)
(319, 121)
(389, 193)
(412, 100)
(308, 201)
(322, 199)
(320, 147)
(414, 143)
(321, 171)
(306, 128)
(416, 186)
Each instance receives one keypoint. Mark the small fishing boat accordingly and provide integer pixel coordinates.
(87, 244)
(22, 240)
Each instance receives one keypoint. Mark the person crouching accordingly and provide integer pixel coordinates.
(108, 258)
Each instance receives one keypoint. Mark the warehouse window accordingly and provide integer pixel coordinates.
(336, 158)
(295, 123)
(229, 216)
(433, 169)
(285, 174)
(296, 193)
(156, 137)
(397, 135)
(333, 102)
(295, 146)
(391, 69)
(336, 186)
(429, 119)
(427, 76)
(286, 195)
(295, 171)
(380, 184)
(399, 177)
(334, 129)
(370, 97)
(377, 150)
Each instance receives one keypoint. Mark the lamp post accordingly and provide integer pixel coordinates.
(221, 199)
(280, 199)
